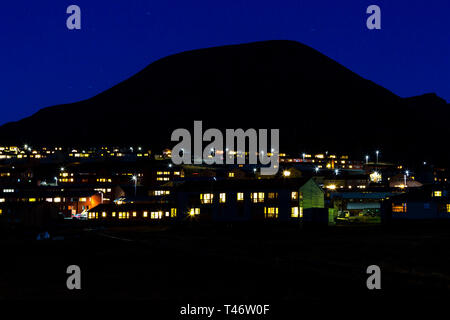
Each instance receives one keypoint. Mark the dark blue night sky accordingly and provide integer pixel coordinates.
(42, 63)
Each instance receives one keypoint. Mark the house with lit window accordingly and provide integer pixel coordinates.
(67, 202)
(133, 213)
(229, 200)
(428, 203)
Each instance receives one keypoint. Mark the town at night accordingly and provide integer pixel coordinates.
(206, 160)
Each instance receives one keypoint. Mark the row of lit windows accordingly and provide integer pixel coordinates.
(126, 214)
(159, 173)
(334, 187)
(56, 199)
(256, 197)
(269, 212)
(272, 212)
(65, 174)
(403, 207)
(161, 192)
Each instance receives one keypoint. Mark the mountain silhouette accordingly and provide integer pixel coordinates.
(318, 105)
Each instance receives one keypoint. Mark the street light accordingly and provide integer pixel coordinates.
(56, 181)
(303, 156)
(377, 152)
(134, 178)
(404, 177)
(317, 169)
(367, 159)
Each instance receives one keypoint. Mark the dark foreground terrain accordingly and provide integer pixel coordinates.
(233, 265)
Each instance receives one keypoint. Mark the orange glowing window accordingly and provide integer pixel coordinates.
(399, 207)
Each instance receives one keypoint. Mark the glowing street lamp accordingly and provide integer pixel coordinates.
(286, 173)
(316, 169)
(404, 177)
(134, 178)
(367, 159)
(377, 152)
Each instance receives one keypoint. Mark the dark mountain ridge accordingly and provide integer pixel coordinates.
(316, 103)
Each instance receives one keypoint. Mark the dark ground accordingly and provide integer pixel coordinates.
(210, 265)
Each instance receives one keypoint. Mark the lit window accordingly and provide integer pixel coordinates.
(294, 195)
(104, 214)
(2, 199)
(270, 212)
(257, 197)
(438, 193)
(240, 196)
(294, 212)
(134, 213)
(173, 212)
(399, 207)
(82, 199)
(114, 214)
(272, 195)
(156, 214)
(231, 174)
(222, 197)
(145, 214)
(194, 212)
(32, 200)
(448, 207)
(206, 198)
